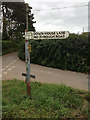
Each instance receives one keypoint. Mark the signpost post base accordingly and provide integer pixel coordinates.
(29, 89)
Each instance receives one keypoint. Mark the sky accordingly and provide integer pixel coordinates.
(74, 20)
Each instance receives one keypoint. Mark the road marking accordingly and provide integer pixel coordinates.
(10, 64)
(48, 72)
(42, 71)
(13, 66)
(9, 69)
(5, 73)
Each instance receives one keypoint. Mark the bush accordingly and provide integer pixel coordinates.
(21, 50)
(8, 46)
(67, 54)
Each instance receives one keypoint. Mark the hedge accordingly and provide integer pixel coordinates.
(67, 54)
(8, 46)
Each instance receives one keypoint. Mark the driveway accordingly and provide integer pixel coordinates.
(13, 67)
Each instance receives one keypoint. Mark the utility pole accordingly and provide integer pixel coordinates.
(27, 53)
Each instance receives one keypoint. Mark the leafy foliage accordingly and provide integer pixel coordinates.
(67, 54)
(21, 50)
(8, 46)
(14, 20)
(14, 24)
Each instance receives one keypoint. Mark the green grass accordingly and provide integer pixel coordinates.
(47, 101)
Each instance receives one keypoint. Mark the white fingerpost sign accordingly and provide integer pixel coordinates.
(47, 35)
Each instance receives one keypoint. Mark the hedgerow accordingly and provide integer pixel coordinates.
(8, 46)
(66, 54)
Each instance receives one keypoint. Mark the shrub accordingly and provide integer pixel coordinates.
(8, 46)
(67, 54)
(21, 50)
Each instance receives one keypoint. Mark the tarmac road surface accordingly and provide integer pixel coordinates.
(13, 67)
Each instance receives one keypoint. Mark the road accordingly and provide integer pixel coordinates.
(13, 67)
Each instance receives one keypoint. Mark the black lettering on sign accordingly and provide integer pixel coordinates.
(56, 36)
(63, 36)
(59, 32)
(52, 36)
(41, 33)
(47, 35)
(35, 36)
(63, 32)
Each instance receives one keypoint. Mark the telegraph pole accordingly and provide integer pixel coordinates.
(27, 56)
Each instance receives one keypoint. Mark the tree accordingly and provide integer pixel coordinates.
(14, 20)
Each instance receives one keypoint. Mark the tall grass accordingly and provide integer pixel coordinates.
(47, 100)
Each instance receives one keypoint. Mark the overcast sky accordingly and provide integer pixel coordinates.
(71, 19)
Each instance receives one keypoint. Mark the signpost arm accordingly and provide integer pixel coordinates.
(27, 56)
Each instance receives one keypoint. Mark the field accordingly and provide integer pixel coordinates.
(46, 101)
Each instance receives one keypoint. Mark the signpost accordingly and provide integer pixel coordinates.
(37, 36)
(27, 56)
(47, 35)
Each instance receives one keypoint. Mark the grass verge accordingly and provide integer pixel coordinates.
(47, 101)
